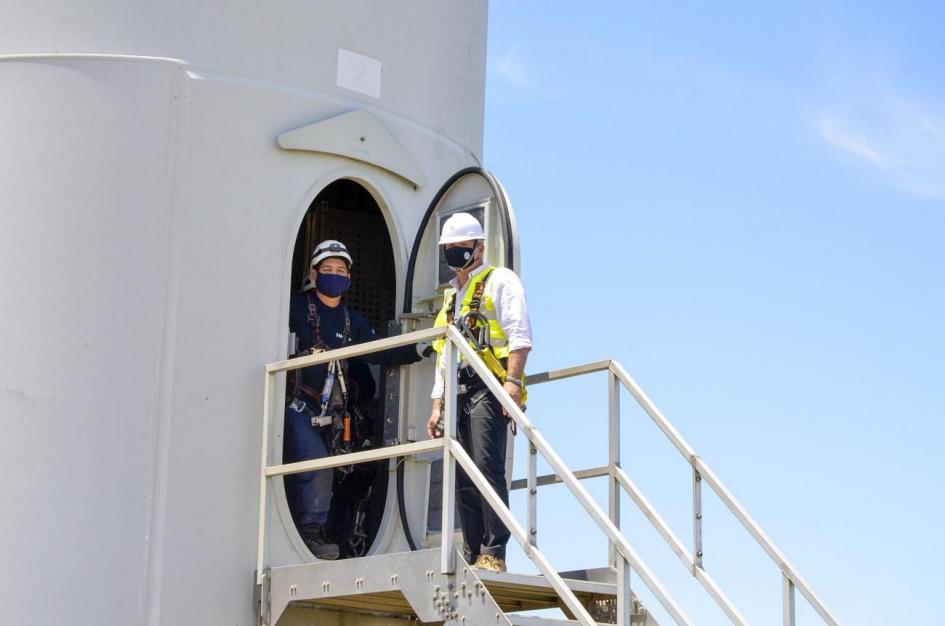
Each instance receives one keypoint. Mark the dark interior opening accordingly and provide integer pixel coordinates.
(346, 211)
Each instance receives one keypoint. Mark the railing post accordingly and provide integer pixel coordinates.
(787, 600)
(532, 488)
(613, 458)
(696, 521)
(448, 523)
(624, 595)
(268, 392)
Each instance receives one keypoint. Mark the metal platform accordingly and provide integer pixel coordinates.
(409, 585)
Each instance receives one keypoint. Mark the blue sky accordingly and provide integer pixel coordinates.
(744, 204)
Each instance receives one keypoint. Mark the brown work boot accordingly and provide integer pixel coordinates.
(489, 562)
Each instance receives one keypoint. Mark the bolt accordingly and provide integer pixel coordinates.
(698, 515)
(699, 554)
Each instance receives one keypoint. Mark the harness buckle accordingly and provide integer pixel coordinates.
(475, 327)
(321, 420)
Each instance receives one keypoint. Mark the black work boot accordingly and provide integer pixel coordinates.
(314, 538)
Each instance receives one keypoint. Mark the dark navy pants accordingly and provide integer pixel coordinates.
(483, 432)
(310, 492)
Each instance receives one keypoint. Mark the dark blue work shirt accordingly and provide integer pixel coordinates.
(332, 334)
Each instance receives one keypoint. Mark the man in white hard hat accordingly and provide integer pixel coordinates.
(482, 426)
(318, 401)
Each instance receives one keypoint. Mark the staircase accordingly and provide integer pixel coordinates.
(438, 586)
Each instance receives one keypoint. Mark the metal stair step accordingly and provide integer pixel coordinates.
(523, 592)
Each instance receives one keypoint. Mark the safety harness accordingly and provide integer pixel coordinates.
(479, 329)
(333, 398)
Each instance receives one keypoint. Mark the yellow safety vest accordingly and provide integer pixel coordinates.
(485, 306)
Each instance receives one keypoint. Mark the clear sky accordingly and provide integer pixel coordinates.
(744, 203)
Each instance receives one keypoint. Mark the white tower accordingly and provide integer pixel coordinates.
(165, 169)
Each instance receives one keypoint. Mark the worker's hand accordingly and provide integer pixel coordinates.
(432, 422)
(515, 391)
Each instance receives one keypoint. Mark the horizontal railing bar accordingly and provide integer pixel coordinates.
(670, 537)
(352, 458)
(567, 372)
(357, 350)
(553, 479)
(515, 529)
(581, 494)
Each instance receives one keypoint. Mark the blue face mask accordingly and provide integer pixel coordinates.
(459, 258)
(332, 285)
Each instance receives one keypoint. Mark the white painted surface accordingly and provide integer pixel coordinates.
(146, 231)
(359, 73)
(360, 136)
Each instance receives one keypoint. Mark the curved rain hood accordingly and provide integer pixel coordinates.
(356, 135)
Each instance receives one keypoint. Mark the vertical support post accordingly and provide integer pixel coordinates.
(696, 521)
(269, 389)
(787, 600)
(624, 595)
(532, 488)
(613, 457)
(448, 523)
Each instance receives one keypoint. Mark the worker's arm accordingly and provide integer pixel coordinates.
(512, 313)
(392, 357)
(435, 418)
(516, 369)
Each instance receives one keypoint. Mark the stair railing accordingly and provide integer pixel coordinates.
(701, 472)
(625, 556)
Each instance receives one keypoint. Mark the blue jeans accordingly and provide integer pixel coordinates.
(309, 493)
(482, 430)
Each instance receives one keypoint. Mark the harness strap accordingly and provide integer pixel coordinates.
(474, 303)
(319, 345)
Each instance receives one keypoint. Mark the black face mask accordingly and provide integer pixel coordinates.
(459, 258)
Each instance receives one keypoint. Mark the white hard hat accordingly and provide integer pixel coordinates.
(328, 249)
(461, 227)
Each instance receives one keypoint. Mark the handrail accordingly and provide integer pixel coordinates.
(590, 505)
(702, 472)
(360, 349)
(452, 449)
(269, 392)
(621, 549)
(702, 468)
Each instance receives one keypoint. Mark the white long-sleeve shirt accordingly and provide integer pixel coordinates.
(508, 295)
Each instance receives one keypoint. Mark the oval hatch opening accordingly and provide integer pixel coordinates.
(346, 211)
